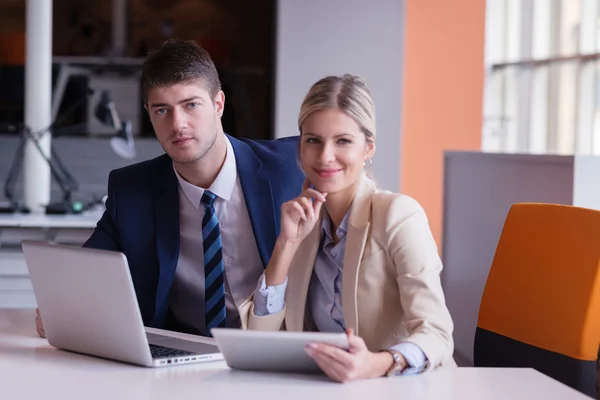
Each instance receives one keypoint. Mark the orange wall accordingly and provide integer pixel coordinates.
(442, 94)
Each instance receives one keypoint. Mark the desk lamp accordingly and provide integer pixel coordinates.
(122, 144)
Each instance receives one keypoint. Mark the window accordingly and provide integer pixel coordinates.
(542, 89)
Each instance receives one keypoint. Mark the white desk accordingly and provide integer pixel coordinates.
(86, 220)
(74, 229)
(15, 286)
(31, 369)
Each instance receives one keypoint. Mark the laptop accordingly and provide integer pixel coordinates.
(274, 351)
(88, 305)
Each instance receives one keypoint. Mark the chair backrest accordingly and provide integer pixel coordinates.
(541, 303)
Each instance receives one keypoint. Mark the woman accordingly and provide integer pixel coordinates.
(353, 258)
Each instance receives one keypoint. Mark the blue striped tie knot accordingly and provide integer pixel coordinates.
(208, 198)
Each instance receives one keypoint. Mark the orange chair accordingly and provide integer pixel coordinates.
(541, 303)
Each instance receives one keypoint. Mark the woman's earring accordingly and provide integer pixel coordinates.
(367, 163)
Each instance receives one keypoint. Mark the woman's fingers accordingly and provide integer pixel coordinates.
(314, 194)
(317, 206)
(307, 204)
(295, 207)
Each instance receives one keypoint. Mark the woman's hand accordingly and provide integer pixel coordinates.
(357, 363)
(298, 216)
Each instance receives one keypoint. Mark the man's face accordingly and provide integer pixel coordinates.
(186, 119)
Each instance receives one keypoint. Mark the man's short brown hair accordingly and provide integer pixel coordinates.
(179, 61)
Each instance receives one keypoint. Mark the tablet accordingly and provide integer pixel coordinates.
(274, 351)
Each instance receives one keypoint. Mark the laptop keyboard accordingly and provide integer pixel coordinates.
(167, 352)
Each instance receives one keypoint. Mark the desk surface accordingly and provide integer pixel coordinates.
(86, 220)
(31, 369)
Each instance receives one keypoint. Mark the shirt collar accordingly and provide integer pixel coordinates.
(223, 185)
(342, 230)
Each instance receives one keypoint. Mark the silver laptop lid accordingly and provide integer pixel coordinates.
(87, 301)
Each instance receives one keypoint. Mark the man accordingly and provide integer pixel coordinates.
(197, 224)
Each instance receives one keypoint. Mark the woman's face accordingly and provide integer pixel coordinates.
(333, 150)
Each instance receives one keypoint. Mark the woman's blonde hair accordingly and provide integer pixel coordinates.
(347, 93)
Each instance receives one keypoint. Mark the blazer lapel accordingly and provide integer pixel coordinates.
(358, 231)
(166, 217)
(258, 196)
(300, 274)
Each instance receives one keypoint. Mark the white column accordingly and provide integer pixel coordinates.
(119, 26)
(38, 102)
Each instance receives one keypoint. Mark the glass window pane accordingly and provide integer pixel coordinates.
(513, 30)
(538, 127)
(566, 107)
(510, 112)
(548, 108)
(493, 130)
(585, 108)
(524, 80)
(588, 41)
(569, 27)
(596, 128)
(495, 34)
(541, 29)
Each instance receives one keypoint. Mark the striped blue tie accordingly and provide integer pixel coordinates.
(214, 272)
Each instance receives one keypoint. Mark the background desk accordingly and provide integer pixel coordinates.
(31, 369)
(15, 286)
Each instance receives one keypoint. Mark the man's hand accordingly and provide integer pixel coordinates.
(39, 326)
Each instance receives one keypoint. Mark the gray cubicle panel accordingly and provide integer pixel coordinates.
(90, 161)
(479, 189)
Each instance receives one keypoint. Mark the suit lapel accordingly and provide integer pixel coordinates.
(300, 274)
(258, 195)
(358, 231)
(166, 217)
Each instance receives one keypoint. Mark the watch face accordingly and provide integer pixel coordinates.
(397, 369)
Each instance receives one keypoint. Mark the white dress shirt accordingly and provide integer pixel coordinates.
(242, 262)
